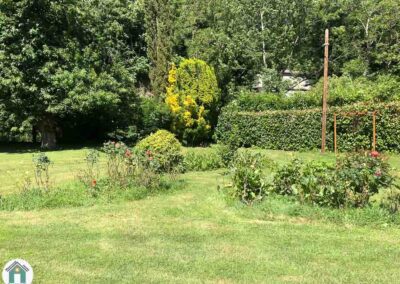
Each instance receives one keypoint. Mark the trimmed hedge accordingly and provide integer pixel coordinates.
(298, 130)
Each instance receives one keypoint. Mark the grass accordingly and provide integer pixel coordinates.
(14, 166)
(193, 235)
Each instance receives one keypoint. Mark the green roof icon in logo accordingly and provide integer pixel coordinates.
(17, 271)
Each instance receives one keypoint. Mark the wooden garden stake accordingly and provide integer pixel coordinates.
(374, 131)
(335, 133)
(325, 94)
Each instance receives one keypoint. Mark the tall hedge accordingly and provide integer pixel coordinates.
(301, 129)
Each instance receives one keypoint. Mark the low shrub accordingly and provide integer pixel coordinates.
(318, 186)
(119, 164)
(162, 149)
(362, 175)
(287, 177)
(351, 183)
(249, 184)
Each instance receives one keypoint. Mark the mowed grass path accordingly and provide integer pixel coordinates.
(193, 236)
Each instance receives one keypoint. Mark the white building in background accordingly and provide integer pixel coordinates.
(295, 81)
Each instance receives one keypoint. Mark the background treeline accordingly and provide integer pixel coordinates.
(73, 71)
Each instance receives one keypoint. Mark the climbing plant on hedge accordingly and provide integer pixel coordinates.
(192, 96)
(301, 129)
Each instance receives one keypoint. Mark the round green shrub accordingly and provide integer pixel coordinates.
(162, 149)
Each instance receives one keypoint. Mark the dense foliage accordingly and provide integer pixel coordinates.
(351, 183)
(74, 70)
(301, 129)
(192, 96)
(249, 183)
(69, 65)
(162, 149)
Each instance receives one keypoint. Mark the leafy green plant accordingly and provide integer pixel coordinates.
(249, 184)
(287, 177)
(318, 185)
(42, 164)
(162, 149)
(192, 96)
(119, 163)
(362, 175)
(350, 183)
(296, 130)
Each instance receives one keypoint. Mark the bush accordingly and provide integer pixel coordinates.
(297, 130)
(247, 175)
(202, 160)
(193, 96)
(351, 183)
(287, 177)
(162, 149)
(318, 186)
(361, 176)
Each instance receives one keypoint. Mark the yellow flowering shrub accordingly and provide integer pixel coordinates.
(192, 96)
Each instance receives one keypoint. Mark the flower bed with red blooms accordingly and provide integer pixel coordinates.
(351, 182)
(363, 175)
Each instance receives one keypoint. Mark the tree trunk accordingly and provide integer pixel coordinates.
(48, 131)
(34, 134)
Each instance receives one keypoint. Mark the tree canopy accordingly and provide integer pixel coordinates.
(75, 69)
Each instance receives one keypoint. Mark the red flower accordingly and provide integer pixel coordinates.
(374, 154)
(94, 183)
(128, 153)
(378, 173)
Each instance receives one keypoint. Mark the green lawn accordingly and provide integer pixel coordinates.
(191, 235)
(14, 166)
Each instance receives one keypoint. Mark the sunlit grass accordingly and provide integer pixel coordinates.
(194, 236)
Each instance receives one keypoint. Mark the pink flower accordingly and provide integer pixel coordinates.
(378, 173)
(128, 153)
(148, 153)
(150, 158)
(374, 154)
(117, 145)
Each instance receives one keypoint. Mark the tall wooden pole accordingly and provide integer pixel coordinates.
(325, 94)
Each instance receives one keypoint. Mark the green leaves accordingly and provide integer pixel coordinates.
(296, 130)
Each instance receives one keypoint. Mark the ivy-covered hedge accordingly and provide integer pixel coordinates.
(301, 129)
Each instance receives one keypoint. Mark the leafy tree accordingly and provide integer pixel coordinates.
(192, 96)
(159, 38)
(65, 61)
